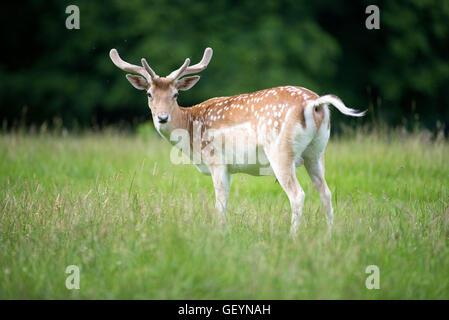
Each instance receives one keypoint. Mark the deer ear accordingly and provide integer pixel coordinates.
(186, 83)
(138, 82)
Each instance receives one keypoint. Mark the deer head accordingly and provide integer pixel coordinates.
(162, 92)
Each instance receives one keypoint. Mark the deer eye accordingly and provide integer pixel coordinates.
(175, 96)
(149, 95)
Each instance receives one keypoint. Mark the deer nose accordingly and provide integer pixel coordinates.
(163, 118)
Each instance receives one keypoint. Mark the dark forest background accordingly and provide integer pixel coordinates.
(400, 72)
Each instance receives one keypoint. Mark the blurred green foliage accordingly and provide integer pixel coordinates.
(400, 72)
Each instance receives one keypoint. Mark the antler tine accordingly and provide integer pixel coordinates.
(113, 54)
(200, 66)
(178, 73)
(148, 68)
(196, 67)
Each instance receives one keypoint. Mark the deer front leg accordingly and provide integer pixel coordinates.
(222, 184)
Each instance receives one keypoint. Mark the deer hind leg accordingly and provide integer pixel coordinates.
(315, 169)
(222, 184)
(283, 167)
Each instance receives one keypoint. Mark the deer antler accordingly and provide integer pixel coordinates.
(148, 69)
(179, 72)
(185, 69)
(143, 71)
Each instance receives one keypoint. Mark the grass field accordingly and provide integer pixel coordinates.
(140, 227)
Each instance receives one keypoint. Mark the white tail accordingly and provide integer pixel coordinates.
(337, 103)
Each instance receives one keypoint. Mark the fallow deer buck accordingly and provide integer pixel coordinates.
(288, 125)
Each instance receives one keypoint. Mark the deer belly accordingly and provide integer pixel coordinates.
(203, 168)
(252, 161)
(237, 147)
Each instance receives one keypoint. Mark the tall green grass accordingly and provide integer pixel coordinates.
(141, 227)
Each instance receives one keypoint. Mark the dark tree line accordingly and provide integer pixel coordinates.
(399, 72)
